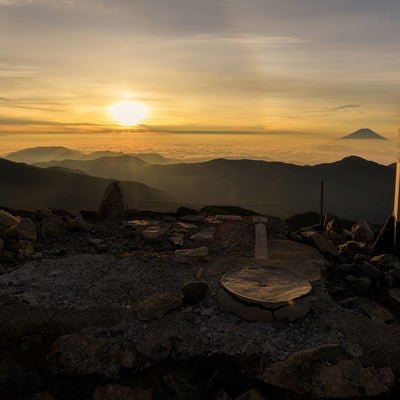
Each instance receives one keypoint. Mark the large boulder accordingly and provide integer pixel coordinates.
(27, 229)
(7, 220)
(51, 224)
(362, 232)
(319, 241)
(328, 372)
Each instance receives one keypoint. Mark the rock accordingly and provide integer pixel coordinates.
(392, 278)
(319, 241)
(260, 242)
(140, 223)
(361, 258)
(51, 225)
(205, 235)
(192, 218)
(328, 372)
(394, 299)
(386, 262)
(365, 269)
(347, 234)
(177, 239)
(85, 354)
(7, 219)
(25, 248)
(156, 232)
(194, 292)
(120, 392)
(27, 229)
(183, 211)
(368, 270)
(252, 394)
(184, 227)
(113, 206)
(159, 304)
(197, 252)
(362, 232)
(351, 248)
(296, 309)
(98, 244)
(43, 396)
(360, 285)
(247, 312)
(374, 310)
(224, 218)
(1, 245)
(334, 225)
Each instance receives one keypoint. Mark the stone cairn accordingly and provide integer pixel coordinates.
(113, 207)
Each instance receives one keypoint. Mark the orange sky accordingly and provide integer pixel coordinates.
(311, 66)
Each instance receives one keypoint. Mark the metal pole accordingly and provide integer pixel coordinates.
(396, 210)
(321, 204)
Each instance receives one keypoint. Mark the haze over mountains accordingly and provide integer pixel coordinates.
(27, 187)
(355, 188)
(50, 153)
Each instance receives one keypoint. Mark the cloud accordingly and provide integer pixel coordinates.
(34, 2)
(246, 38)
(345, 107)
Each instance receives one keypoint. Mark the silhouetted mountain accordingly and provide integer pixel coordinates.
(354, 188)
(124, 167)
(364, 133)
(27, 187)
(36, 155)
(47, 153)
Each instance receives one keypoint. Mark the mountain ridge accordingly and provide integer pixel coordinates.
(28, 187)
(355, 188)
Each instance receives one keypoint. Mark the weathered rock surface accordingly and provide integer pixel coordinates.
(248, 312)
(297, 258)
(320, 242)
(121, 392)
(27, 229)
(158, 304)
(7, 219)
(362, 232)
(328, 372)
(205, 235)
(51, 225)
(197, 252)
(192, 218)
(83, 354)
(386, 262)
(156, 232)
(194, 292)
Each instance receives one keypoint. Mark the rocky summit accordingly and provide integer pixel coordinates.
(147, 305)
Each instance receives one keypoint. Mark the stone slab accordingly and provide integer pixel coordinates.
(266, 286)
(260, 245)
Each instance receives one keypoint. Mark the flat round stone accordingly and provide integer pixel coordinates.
(267, 286)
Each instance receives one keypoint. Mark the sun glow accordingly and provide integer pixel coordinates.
(128, 113)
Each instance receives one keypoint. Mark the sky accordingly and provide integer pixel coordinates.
(298, 69)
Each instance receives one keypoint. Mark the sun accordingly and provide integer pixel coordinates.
(127, 112)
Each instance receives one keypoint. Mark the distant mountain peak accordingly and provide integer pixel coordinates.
(364, 133)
